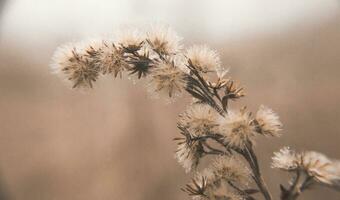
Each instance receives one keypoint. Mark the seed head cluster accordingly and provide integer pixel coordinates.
(210, 129)
(313, 164)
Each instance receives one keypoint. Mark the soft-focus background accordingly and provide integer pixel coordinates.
(116, 143)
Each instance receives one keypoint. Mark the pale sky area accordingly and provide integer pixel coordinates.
(37, 21)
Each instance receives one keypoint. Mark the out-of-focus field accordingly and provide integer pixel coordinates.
(116, 143)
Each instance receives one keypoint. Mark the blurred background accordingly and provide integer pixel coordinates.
(115, 142)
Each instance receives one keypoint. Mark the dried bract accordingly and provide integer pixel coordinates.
(141, 64)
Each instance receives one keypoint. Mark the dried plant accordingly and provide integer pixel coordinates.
(209, 126)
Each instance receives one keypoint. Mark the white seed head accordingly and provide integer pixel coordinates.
(321, 168)
(76, 65)
(200, 119)
(268, 122)
(188, 155)
(229, 168)
(131, 38)
(164, 40)
(204, 59)
(110, 59)
(285, 159)
(211, 186)
(314, 164)
(167, 80)
(237, 128)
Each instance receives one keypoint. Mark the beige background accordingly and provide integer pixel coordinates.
(115, 142)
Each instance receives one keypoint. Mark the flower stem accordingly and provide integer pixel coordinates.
(250, 156)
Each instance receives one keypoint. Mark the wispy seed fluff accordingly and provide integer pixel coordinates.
(237, 128)
(203, 58)
(188, 155)
(229, 168)
(131, 39)
(210, 184)
(164, 40)
(200, 119)
(75, 64)
(268, 122)
(321, 168)
(167, 80)
(314, 164)
(110, 59)
(285, 159)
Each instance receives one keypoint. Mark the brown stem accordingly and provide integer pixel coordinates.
(296, 189)
(251, 158)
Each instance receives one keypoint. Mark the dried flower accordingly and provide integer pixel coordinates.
(313, 164)
(321, 168)
(188, 154)
(268, 122)
(141, 64)
(285, 159)
(76, 65)
(200, 119)
(203, 59)
(232, 90)
(237, 128)
(167, 79)
(131, 39)
(164, 40)
(229, 168)
(224, 171)
(204, 187)
(110, 59)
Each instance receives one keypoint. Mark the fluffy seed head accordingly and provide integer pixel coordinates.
(204, 186)
(200, 119)
(110, 59)
(268, 122)
(167, 80)
(188, 155)
(321, 168)
(237, 128)
(76, 65)
(231, 169)
(204, 59)
(285, 159)
(130, 39)
(164, 40)
(314, 164)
